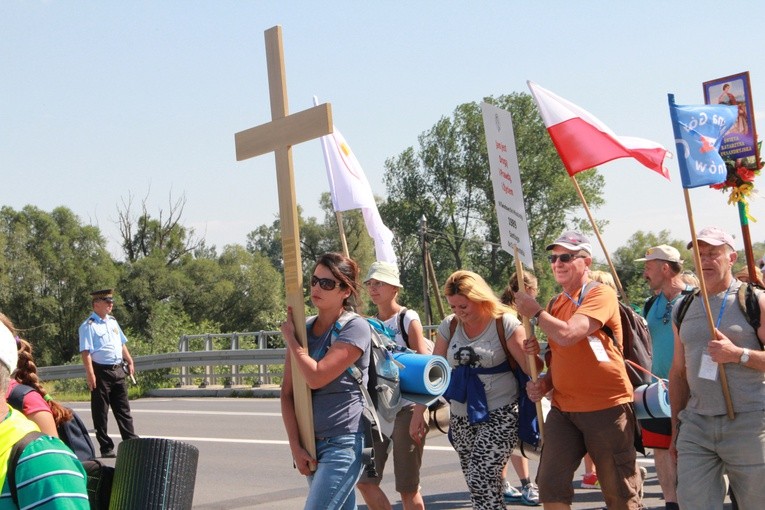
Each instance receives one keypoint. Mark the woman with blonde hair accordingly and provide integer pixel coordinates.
(483, 391)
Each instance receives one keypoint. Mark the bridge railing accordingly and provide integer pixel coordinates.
(246, 357)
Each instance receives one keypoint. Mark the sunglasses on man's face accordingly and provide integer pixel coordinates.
(324, 283)
(564, 257)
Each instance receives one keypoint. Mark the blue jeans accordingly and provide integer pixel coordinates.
(333, 484)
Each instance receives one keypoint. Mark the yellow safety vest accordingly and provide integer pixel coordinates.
(12, 429)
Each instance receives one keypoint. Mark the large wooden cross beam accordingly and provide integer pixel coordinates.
(279, 136)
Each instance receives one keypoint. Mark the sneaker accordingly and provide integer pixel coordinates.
(108, 454)
(590, 481)
(512, 495)
(530, 494)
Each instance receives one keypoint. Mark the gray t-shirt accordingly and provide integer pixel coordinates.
(485, 351)
(337, 407)
(747, 386)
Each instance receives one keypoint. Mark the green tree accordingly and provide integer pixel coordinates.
(316, 238)
(144, 236)
(631, 272)
(50, 264)
(447, 181)
(257, 298)
(155, 251)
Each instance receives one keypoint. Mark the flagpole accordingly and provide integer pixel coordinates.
(529, 333)
(341, 228)
(618, 282)
(705, 298)
(750, 263)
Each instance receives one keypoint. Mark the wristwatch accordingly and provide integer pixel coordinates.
(535, 320)
(744, 357)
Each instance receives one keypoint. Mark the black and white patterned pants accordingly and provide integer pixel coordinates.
(484, 449)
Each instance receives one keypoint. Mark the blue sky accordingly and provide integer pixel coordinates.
(101, 101)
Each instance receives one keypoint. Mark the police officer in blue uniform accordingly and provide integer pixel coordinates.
(107, 365)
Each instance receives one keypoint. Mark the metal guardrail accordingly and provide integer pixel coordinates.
(210, 358)
(238, 357)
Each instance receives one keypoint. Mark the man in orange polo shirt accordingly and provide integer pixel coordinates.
(591, 392)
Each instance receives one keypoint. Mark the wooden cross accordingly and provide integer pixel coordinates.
(278, 136)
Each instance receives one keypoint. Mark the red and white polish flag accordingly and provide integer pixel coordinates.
(584, 142)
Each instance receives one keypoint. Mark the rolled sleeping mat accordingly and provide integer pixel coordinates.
(652, 401)
(424, 377)
(154, 474)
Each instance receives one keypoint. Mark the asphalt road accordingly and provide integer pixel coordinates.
(244, 460)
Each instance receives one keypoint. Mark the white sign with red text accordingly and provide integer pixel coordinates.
(506, 181)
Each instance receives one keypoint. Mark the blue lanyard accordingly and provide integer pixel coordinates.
(578, 302)
(724, 303)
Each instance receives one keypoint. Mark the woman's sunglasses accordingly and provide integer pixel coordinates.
(324, 283)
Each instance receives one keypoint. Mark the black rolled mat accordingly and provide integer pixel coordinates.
(153, 473)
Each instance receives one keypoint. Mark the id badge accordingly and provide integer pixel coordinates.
(597, 347)
(708, 368)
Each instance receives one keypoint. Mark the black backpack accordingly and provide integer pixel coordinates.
(73, 433)
(746, 297)
(405, 334)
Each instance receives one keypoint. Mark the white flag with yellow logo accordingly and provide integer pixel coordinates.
(350, 189)
(348, 185)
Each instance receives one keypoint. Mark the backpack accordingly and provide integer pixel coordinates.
(405, 334)
(636, 345)
(383, 389)
(747, 298)
(382, 393)
(73, 433)
(651, 300)
(529, 438)
(99, 482)
(636, 340)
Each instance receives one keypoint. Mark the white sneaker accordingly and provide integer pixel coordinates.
(530, 494)
(511, 494)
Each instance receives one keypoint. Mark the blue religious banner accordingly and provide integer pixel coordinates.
(699, 132)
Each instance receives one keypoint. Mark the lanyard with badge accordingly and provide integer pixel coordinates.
(708, 368)
(595, 343)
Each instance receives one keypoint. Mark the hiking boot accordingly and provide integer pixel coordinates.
(590, 481)
(511, 494)
(530, 494)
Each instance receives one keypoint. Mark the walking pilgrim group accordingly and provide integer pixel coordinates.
(702, 452)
